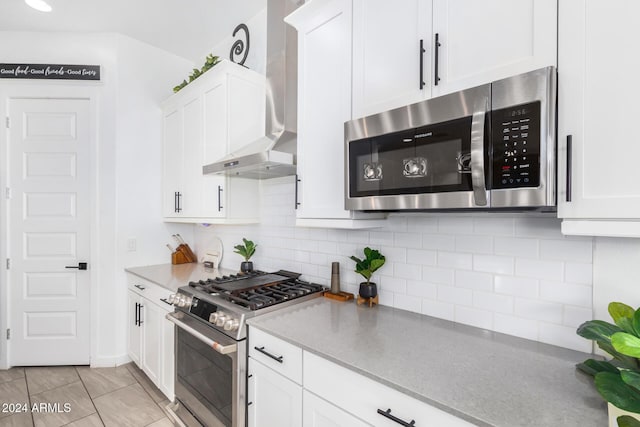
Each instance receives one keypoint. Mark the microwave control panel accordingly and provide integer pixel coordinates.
(516, 146)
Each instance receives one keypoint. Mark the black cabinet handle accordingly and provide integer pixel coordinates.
(387, 414)
(278, 359)
(435, 59)
(136, 315)
(297, 203)
(140, 322)
(175, 202)
(142, 288)
(179, 201)
(422, 51)
(569, 165)
(219, 198)
(80, 266)
(164, 300)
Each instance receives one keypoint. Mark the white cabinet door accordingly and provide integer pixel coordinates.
(598, 108)
(387, 70)
(320, 413)
(167, 357)
(324, 104)
(215, 147)
(482, 41)
(192, 155)
(151, 319)
(135, 343)
(273, 399)
(172, 160)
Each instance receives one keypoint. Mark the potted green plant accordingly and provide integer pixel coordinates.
(372, 261)
(617, 380)
(246, 251)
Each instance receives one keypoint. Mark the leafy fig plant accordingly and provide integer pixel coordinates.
(617, 380)
(372, 261)
(247, 250)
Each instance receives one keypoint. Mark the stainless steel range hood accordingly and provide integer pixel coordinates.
(273, 155)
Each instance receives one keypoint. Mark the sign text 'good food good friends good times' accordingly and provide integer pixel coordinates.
(49, 71)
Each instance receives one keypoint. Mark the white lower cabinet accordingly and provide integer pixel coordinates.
(273, 399)
(317, 412)
(329, 395)
(150, 335)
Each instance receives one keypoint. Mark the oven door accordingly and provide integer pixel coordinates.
(428, 155)
(210, 375)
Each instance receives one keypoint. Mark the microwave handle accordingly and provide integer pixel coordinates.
(477, 154)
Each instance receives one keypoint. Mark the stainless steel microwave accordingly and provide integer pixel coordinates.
(491, 146)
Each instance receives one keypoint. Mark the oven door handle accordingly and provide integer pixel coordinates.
(220, 348)
(477, 153)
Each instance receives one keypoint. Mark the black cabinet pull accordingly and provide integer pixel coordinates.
(387, 414)
(435, 59)
(164, 300)
(422, 51)
(219, 198)
(142, 288)
(278, 359)
(569, 165)
(179, 202)
(140, 322)
(297, 203)
(80, 266)
(135, 312)
(175, 202)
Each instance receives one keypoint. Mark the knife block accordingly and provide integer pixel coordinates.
(183, 255)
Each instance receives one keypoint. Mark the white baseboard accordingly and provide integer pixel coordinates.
(109, 362)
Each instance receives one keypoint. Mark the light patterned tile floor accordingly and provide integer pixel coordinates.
(80, 397)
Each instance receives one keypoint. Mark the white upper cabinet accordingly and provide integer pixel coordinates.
(597, 111)
(485, 40)
(466, 43)
(324, 104)
(389, 68)
(221, 111)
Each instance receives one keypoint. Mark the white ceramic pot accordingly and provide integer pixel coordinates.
(615, 412)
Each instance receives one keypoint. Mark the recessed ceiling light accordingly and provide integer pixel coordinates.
(40, 5)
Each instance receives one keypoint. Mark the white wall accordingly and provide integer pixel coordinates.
(514, 274)
(135, 77)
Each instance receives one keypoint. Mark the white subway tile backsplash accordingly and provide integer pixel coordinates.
(525, 328)
(493, 264)
(474, 244)
(455, 260)
(576, 316)
(453, 295)
(437, 309)
(407, 271)
(493, 302)
(516, 286)
(422, 257)
(567, 250)
(509, 273)
(473, 317)
(539, 269)
(578, 273)
(455, 225)
(567, 293)
(538, 310)
(437, 275)
(438, 242)
(422, 289)
(407, 240)
(474, 280)
(406, 302)
(516, 246)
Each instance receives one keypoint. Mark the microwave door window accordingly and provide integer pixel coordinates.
(429, 159)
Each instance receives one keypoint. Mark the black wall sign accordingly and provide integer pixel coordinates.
(239, 47)
(49, 71)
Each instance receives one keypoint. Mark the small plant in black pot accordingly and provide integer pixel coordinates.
(246, 251)
(372, 261)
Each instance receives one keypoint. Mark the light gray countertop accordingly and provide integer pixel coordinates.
(173, 276)
(486, 378)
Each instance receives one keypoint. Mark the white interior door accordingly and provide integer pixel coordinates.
(49, 229)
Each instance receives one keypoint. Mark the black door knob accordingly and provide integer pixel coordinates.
(80, 266)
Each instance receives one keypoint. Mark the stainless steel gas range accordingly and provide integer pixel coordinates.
(211, 345)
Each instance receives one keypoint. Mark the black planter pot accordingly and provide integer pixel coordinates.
(246, 266)
(368, 291)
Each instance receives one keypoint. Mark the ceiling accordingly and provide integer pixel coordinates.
(188, 28)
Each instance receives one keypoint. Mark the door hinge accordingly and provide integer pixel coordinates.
(8, 333)
(7, 121)
(7, 192)
(8, 263)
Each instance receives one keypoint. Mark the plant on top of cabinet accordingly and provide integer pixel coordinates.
(618, 380)
(246, 251)
(209, 62)
(372, 261)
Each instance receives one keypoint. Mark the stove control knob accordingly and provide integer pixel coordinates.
(213, 317)
(222, 318)
(231, 325)
(172, 298)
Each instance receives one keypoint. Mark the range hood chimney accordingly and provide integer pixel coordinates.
(273, 155)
